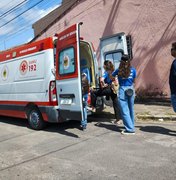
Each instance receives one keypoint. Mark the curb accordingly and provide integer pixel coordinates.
(158, 118)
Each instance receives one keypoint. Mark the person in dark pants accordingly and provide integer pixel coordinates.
(107, 89)
(126, 77)
(172, 77)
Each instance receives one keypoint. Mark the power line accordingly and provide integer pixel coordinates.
(21, 14)
(8, 3)
(21, 23)
(11, 10)
(28, 26)
(22, 26)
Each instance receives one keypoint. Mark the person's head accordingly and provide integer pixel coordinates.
(173, 49)
(108, 66)
(124, 67)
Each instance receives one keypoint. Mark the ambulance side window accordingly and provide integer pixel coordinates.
(67, 61)
(115, 57)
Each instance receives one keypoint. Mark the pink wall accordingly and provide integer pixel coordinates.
(152, 24)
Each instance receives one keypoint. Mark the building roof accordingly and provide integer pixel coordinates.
(47, 21)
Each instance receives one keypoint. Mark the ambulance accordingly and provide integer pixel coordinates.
(41, 81)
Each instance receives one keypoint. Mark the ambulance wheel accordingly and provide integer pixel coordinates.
(35, 119)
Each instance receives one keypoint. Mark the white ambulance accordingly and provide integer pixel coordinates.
(41, 81)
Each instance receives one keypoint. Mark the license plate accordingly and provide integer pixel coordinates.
(66, 101)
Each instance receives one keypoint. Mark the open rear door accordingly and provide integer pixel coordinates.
(68, 78)
(112, 48)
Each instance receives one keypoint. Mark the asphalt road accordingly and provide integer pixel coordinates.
(63, 152)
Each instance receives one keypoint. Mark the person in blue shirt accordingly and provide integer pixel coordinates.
(126, 77)
(106, 89)
(172, 77)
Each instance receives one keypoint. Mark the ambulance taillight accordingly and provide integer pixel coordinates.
(52, 93)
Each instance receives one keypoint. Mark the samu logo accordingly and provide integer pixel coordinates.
(23, 67)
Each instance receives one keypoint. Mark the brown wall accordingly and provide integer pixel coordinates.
(152, 24)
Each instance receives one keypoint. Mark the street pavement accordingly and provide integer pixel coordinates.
(64, 152)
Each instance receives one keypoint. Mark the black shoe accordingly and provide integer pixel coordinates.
(83, 128)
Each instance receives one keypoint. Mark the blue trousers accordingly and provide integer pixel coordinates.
(84, 120)
(173, 101)
(126, 104)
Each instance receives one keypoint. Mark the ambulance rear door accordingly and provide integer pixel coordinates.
(112, 47)
(68, 77)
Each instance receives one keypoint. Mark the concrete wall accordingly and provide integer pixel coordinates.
(152, 24)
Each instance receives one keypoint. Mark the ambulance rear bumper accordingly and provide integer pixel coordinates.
(51, 112)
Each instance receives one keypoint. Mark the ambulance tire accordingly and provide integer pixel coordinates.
(35, 119)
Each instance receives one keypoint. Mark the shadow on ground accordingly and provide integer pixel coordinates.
(103, 117)
(14, 121)
(64, 127)
(111, 127)
(157, 129)
(60, 128)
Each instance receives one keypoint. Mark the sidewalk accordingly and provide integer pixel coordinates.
(160, 111)
(157, 111)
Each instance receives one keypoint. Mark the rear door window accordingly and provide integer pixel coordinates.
(114, 57)
(67, 61)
